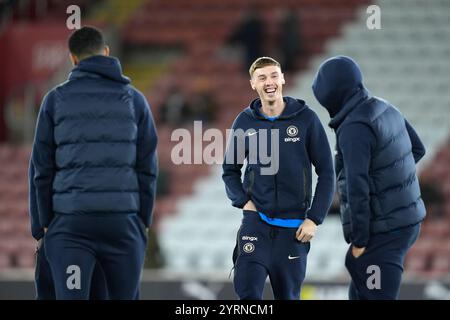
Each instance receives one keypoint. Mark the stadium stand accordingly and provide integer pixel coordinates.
(206, 217)
(405, 63)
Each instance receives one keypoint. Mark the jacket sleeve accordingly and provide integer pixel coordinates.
(418, 149)
(43, 158)
(322, 159)
(231, 167)
(357, 142)
(36, 229)
(146, 160)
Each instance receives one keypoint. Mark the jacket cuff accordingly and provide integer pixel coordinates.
(39, 235)
(46, 220)
(241, 202)
(315, 220)
(359, 244)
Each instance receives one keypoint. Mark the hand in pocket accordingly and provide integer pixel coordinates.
(250, 206)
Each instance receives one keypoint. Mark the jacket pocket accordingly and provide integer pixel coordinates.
(250, 215)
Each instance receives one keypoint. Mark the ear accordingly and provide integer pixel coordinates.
(106, 51)
(73, 59)
(282, 79)
(252, 85)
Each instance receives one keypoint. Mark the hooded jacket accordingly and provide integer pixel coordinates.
(302, 142)
(95, 147)
(376, 154)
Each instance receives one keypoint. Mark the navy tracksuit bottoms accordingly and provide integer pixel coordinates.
(385, 253)
(76, 243)
(45, 287)
(264, 250)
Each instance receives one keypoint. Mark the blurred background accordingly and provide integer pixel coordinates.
(190, 58)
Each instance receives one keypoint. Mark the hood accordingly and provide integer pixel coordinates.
(292, 108)
(336, 82)
(101, 66)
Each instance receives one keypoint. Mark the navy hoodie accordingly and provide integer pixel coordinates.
(287, 194)
(376, 154)
(94, 150)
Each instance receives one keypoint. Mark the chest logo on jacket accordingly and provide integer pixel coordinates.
(292, 132)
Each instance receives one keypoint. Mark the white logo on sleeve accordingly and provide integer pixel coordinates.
(292, 258)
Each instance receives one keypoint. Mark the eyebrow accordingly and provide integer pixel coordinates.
(270, 74)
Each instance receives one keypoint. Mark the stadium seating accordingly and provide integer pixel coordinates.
(17, 246)
(405, 62)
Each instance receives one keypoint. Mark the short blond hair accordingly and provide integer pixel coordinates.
(262, 62)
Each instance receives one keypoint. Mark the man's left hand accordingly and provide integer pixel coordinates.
(357, 252)
(306, 231)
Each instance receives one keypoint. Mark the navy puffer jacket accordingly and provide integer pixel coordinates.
(95, 146)
(377, 150)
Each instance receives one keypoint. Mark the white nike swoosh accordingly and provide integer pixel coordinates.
(291, 258)
(252, 133)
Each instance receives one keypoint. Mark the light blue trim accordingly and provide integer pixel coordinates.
(271, 118)
(287, 223)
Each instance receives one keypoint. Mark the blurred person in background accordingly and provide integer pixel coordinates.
(290, 42)
(94, 156)
(280, 215)
(250, 35)
(380, 200)
(175, 109)
(203, 105)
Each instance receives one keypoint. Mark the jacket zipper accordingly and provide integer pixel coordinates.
(305, 192)
(275, 177)
(252, 181)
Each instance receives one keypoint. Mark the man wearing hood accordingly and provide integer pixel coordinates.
(95, 168)
(280, 216)
(381, 205)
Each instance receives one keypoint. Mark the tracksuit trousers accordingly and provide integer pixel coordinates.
(377, 273)
(264, 250)
(45, 287)
(76, 243)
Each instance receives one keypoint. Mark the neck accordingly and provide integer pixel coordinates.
(273, 108)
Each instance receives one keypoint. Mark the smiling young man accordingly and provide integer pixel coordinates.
(279, 215)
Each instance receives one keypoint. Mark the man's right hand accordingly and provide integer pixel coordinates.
(39, 244)
(249, 206)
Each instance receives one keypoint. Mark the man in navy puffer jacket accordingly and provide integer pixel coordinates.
(377, 152)
(95, 162)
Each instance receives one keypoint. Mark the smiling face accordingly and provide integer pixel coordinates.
(268, 82)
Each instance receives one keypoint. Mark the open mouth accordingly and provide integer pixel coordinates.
(270, 90)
